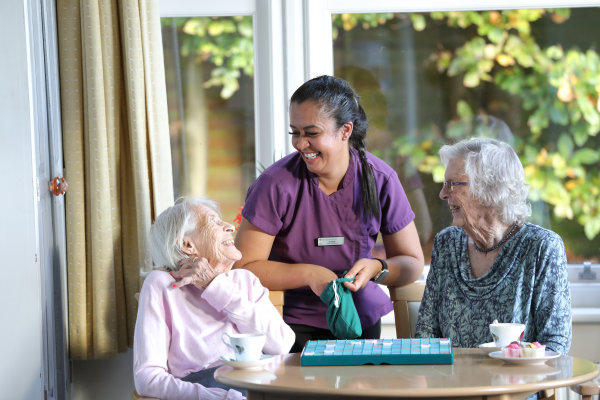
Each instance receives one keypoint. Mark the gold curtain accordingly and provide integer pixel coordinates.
(117, 162)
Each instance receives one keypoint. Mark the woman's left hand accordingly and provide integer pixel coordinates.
(196, 271)
(363, 270)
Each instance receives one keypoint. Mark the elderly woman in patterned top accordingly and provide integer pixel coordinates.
(492, 264)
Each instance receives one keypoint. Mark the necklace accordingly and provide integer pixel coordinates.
(500, 243)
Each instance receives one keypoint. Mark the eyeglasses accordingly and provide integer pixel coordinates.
(450, 184)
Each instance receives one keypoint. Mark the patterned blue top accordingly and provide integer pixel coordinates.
(527, 283)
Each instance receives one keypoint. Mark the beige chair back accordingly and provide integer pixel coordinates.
(276, 297)
(404, 314)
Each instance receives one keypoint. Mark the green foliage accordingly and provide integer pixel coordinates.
(558, 88)
(366, 21)
(226, 42)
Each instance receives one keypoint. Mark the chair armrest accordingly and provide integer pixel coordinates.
(411, 292)
(588, 388)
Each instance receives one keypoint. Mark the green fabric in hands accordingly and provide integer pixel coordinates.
(342, 317)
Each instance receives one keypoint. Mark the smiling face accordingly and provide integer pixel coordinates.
(467, 212)
(323, 146)
(213, 238)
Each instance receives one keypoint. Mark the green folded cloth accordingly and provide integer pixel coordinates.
(342, 317)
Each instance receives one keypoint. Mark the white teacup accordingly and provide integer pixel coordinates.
(505, 333)
(245, 346)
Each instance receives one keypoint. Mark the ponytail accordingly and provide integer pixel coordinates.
(370, 196)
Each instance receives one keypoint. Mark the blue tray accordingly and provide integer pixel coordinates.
(377, 351)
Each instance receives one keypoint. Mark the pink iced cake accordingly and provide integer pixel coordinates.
(516, 349)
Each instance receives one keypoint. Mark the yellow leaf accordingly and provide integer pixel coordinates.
(563, 211)
(571, 184)
(565, 93)
(489, 51)
(494, 17)
(542, 156)
(505, 60)
(529, 170)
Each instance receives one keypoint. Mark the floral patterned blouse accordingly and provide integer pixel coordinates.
(527, 283)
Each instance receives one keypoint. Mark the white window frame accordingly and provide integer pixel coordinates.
(290, 47)
(271, 77)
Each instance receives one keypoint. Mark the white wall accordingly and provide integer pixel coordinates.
(20, 310)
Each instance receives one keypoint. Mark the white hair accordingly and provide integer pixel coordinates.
(496, 175)
(167, 232)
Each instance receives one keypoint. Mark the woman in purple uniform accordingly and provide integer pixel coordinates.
(314, 216)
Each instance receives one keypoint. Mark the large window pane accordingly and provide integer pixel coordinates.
(425, 79)
(209, 69)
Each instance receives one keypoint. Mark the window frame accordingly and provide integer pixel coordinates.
(270, 108)
(289, 47)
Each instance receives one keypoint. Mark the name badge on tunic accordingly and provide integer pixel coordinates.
(330, 241)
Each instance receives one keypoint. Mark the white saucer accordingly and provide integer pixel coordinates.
(489, 347)
(264, 359)
(525, 360)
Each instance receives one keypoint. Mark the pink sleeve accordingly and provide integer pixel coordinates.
(151, 345)
(240, 294)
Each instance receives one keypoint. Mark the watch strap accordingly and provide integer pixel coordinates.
(383, 273)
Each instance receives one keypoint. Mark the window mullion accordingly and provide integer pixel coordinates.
(269, 101)
(318, 37)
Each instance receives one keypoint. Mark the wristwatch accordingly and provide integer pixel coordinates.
(383, 273)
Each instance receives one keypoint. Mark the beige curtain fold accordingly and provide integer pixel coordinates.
(117, 162)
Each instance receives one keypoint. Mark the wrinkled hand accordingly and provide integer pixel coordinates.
(319, 280)
(363, 270)
(196, 271)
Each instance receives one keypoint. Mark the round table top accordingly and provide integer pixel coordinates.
(473, 373)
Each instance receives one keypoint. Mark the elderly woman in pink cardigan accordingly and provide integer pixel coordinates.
(191, 300)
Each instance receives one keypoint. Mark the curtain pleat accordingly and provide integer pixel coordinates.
(116, 146)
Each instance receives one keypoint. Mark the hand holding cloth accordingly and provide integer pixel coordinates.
(342, 317)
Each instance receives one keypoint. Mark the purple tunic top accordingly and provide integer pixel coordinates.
(286, 202)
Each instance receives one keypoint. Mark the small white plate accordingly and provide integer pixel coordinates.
(524, 360)
(264, 359)
(489, 347)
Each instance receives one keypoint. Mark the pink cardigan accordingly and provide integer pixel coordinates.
(178, 331)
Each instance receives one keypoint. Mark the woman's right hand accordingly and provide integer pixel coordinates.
(194, 270)
(319, 278)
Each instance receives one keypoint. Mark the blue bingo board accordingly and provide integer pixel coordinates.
(377, 351)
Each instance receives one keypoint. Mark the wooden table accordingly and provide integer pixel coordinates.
(473, 375)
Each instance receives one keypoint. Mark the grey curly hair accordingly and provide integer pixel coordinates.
(496, 175)
(171, 226)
